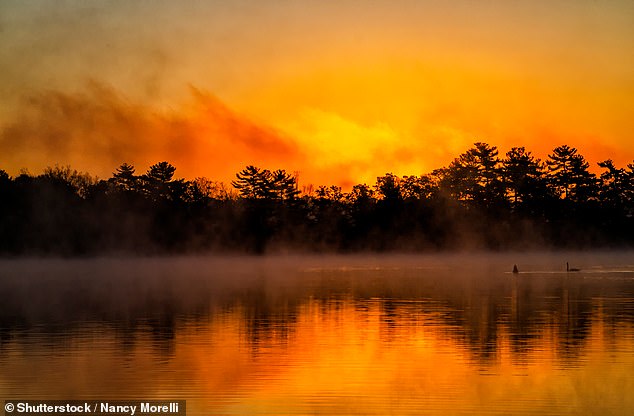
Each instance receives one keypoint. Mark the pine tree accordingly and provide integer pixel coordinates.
(124, 179)
(253, 183)
(475, 176)
(569, 175)
(522, 174)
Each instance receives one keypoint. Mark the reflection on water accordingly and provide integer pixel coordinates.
(337, 335)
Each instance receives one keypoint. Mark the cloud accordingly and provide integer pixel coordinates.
(99, 128)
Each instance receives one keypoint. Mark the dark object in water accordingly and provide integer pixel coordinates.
(515, 270)
(571, 269)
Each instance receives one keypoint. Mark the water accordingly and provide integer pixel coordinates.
(445, 334)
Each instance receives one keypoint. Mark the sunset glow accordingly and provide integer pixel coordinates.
(339, 92)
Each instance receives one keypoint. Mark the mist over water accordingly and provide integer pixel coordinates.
(432, 334)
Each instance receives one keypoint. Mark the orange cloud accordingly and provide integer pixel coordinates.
(98, 129)
(328, 142)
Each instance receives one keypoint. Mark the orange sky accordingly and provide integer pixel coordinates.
(339, 91)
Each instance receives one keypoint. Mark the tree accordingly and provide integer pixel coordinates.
(388, 187)
(4, 177)
(283, 185)
(255, 183)
(360, 194)
(522, 174)
(460, 178)
(418, 187)
(475, 176)
(331, 193)
(629, 188)
(159, 184)
(252, 183)
(202, 188)
(614, 184)
(161, 172)
(77, 182)
(569, 176)
(124, 179)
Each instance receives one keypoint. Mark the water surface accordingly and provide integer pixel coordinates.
(446, 334)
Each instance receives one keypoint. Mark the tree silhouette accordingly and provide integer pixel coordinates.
(78, 182)
(418, 187)
(159, 185)
(202, 188)
(629, 189)
(523, 175)
(4, 178)
(252, 183)
(388, 187)
(509, 203)
(255, 183)
(475, 176)
(361, 194)
(282, 185)
(161, 172)
(331, 193)
(568, 174)
(459, 179)
(614, 184)
(124, 179)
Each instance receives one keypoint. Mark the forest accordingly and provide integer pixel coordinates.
(480, 201)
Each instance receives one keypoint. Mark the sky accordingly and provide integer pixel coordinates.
(338, 91)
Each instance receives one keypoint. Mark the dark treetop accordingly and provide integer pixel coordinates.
(479, 201)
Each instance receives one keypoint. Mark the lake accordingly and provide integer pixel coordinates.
(433, 334)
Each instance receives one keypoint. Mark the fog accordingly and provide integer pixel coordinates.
(43, 291)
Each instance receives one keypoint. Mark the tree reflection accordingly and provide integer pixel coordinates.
(268, 319)
(480, 311)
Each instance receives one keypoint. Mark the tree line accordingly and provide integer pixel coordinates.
(479, 201)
